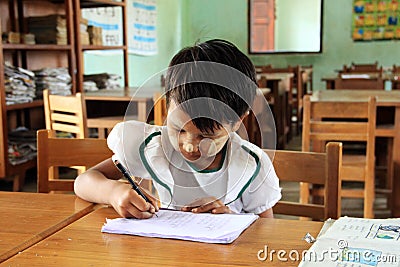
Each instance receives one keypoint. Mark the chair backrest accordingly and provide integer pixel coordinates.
(338, 121)
(352, 122)
(66, 113)
(309, 167)
(159, 109)
(59, 152)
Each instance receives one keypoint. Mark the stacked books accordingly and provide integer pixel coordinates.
(84, 35)
(95, 35)
(51, 29)
(57, 80)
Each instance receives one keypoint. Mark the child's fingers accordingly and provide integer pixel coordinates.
(208, 207)
(136, 213)
(221, 210)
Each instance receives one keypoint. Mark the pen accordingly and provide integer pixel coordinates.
(128, 176)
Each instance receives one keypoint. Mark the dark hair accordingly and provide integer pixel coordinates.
(213, 72)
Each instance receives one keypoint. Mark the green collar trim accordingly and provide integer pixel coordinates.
(146, 163)
(257, 170)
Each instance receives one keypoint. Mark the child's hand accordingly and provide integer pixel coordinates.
(129, 204)
(208, 204)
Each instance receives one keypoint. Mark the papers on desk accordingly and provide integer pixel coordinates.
(357, 242)
(203, 227)
(355, 76)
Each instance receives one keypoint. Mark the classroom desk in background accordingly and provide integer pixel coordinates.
(115, 102)
(81, 244)
(330, 81)
(27, 218)
(388, 100)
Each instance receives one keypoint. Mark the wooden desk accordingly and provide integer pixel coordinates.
(82, 243)
(27, 218)
(330, 81)
(143, 97)
(384, 99)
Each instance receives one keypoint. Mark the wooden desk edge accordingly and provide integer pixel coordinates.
(48, 232)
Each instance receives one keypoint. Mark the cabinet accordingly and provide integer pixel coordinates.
(13, 14)
(80, 48)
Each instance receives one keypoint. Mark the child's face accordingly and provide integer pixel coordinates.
(189, 140)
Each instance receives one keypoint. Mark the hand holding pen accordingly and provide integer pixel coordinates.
(134, 185)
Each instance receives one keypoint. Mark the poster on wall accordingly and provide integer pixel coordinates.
(142, 27)
(375, 20)
(104, 23)
(103, 26)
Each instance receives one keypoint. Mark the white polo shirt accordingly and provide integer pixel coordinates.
(246, 181)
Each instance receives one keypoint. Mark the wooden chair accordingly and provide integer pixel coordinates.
(315, 168)
(159, 109)
(396, 77)
(345, 122)
(68, 114)
(278, 101)
(64, 152)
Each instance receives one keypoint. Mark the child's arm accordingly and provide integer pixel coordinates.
(99, 184)
(267, 214)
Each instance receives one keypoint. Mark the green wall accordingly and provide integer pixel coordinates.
(182, 22)
(228, 19)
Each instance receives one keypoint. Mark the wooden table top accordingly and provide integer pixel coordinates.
(28, 218)
(383, 98)
(82, 243)
(125, 94)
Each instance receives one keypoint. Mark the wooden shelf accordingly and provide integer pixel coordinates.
(103, 47)
(39, 47)
(100, 3)
(30, 56)
(35, 103)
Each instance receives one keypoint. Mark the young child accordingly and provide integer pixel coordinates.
(196, 161)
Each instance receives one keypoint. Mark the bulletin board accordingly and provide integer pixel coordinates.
(375, 20)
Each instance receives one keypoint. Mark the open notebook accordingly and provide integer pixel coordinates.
(356, 242)
(203, 227)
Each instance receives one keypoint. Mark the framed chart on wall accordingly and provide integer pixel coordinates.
(375, 20)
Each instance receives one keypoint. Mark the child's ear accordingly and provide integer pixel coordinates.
(237, 124)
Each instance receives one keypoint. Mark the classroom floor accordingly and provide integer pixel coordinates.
(350, 207)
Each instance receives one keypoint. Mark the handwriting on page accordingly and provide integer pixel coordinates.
(204, 227)
(175, 220)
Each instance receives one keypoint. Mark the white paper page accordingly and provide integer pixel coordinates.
(204, 227)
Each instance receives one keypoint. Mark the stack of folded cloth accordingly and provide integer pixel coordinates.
(21, 145)
(19, 85)
(57, 80)
(102, 81)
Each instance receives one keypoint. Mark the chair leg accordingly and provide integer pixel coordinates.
(101, 133)
(390, 173)
(18, 181)
(369, 197)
